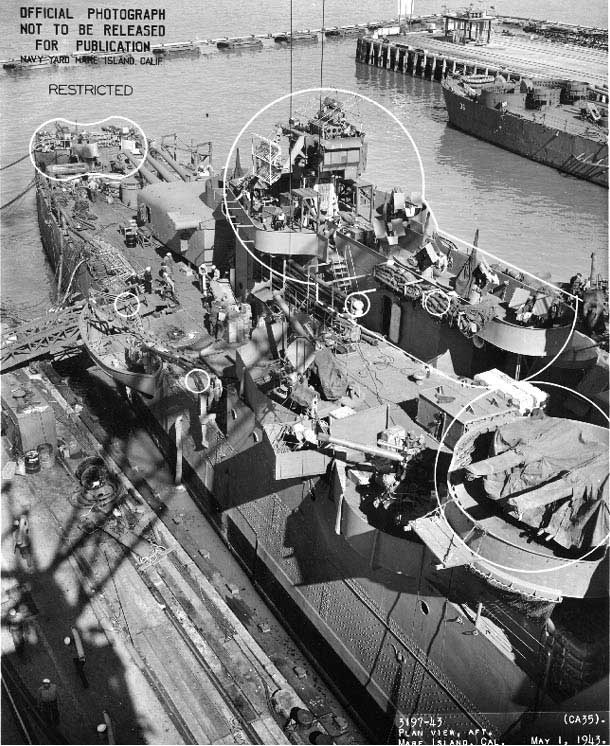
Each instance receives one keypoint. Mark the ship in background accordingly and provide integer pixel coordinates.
(556, 122)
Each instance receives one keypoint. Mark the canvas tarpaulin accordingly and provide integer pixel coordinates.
(332, 375)
(553, 475)
(465, 277)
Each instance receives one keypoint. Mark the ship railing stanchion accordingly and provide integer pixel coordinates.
(178, 429)
(477, 620)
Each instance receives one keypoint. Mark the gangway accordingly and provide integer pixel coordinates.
(55, 333)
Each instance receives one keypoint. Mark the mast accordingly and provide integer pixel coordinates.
(593, 270)
(405, 11)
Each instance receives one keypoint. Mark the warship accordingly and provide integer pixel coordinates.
(555, 122)
(331, 381)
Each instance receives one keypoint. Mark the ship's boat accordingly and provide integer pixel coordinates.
(297, 37)
(550, 121)
(186, 49)
(240, 43)
(17, 65)
(344, 31)
(119, 352)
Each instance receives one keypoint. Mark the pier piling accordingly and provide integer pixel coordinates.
(438, 57)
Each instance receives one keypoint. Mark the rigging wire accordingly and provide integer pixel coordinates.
(322, 51)
(291, 49)
(290, 116)
(18, 197)
(14, 163)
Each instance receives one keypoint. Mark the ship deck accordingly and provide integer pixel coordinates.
(112, 218)
(380, 373)
(565, 117)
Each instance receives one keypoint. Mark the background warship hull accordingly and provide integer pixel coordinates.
(573, 154)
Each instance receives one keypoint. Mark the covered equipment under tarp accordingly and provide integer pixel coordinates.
(551, 474)
(333, 376)
(465, 277)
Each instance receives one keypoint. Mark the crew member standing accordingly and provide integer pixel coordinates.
(15, 625)
(47, 701)
(147, 281)
(203, 278)
(216, 389)
(219, 329)
(169, 260)
(576, 284)
(92, 189)
(167, 281)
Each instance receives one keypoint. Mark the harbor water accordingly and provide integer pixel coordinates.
(528, 214)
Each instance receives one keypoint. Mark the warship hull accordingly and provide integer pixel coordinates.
(570, 153)
(383, 638)
(63, 254)
(394, 634)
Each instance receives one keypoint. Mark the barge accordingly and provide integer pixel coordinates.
(552, 122)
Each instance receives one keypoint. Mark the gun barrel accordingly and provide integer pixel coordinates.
(363, 447)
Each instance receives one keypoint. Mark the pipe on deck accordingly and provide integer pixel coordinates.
(178, 168)
(146, 174)
(162, 169)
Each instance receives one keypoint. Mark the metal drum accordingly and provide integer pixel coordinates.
(32, 462)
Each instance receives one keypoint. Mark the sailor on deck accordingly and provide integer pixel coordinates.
(576, 284)
(278, 222)
(147, 280)
(92, 189)
(168, 286)
(47, 701)
(15, 625)
(219, 328)
(203, 277)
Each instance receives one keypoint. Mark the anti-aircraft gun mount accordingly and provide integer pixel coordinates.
(388, 461)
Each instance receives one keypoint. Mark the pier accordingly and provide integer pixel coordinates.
(426, 54)
(432, 57)
(145, 585)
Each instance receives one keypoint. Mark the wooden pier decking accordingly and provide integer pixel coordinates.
(431, 57)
